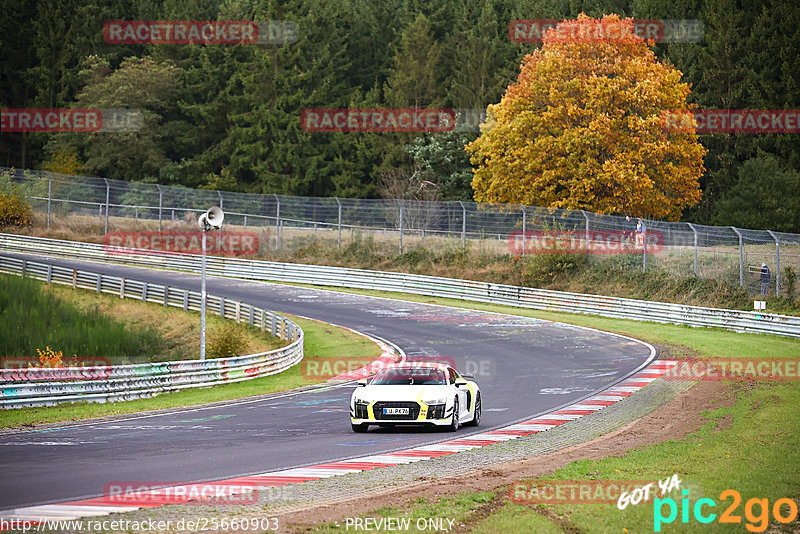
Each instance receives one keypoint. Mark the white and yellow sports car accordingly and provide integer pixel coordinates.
(416, 394)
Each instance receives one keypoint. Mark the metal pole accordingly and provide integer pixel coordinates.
(160, 199)
(741, 256)
(401, 226)
(587, 226)
(339, 242)
(524, 224)
(777, 264)
(277, 222)
(49, 196)
(695, 247)
(644, 248)
(203, 301)
(463, 226)
(108, 193)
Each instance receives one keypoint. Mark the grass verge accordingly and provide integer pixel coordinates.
(82, 323)
(321, 340)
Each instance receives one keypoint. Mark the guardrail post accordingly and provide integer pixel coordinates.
(274, 326)
(401, 226)
(166, 296)
(245, 221)
(160, 203)
(694, 230)
(49, 196)
(121, 286)
(186, 299)
(49, 273)
(99, 282)
(144, 292)
(777, 264)
(263, 321)
(238, 312)
(252, 319)
(24, 267)
(222, 306)
(741, 256)
(644, 247)
(277, 222)
(75, 279)
(339, 242)
(524, 225)
(463, 226)
(108, 197)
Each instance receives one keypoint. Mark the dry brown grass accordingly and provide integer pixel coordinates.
(179, 329)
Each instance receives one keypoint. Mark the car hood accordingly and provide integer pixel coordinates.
(401, 393)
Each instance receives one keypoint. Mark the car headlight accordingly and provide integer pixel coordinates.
(438, 400)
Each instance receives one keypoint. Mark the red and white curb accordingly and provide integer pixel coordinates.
(127, 502)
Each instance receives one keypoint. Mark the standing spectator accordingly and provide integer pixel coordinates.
(627, 229)
(765, 274)
(640, 234)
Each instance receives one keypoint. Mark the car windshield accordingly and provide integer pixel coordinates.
(405, 376)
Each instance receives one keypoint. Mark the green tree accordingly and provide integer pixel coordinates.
(140, 84)
(766, 195)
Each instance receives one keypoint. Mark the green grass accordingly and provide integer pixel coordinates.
(757, 455)
(31, 319)
(321, 340)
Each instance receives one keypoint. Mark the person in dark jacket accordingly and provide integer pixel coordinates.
(765, 274)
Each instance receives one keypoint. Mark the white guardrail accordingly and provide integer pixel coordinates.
(525, 297)
(35, 386)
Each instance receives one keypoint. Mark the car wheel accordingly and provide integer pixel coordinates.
(453, 426)
(476, 420)
(359, 428)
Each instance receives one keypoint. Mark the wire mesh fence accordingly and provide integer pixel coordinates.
(733, 255)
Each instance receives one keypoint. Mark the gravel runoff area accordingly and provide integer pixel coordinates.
(279, 501)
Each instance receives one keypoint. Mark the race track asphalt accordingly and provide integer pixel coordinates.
(524, 367)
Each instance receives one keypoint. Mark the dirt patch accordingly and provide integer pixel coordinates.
(679, 417)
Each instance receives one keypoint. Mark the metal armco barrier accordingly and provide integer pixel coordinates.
(525, 297)
(41, 386)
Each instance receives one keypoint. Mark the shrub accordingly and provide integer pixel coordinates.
(14, 210)
(227, 342)
(542, 269)
(790, 278)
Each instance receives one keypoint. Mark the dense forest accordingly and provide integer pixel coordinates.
(228, 116)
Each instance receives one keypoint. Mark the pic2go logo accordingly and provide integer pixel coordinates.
(783, 510)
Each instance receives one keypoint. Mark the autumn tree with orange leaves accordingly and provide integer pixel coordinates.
(582, 128)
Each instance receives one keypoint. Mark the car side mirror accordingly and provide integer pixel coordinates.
(470, 376)
(362, 382)
(460, 382)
